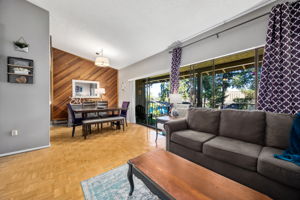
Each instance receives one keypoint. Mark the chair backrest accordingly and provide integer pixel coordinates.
(102, 104)
(89, 104)
(71, 112)
(125, 106)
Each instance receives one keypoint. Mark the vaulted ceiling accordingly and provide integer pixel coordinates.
(131, 30)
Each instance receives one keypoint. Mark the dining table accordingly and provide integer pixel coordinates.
(97, 109)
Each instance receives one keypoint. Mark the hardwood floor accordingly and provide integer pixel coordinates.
(56, 172)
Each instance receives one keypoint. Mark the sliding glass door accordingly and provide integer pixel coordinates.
(152, 100)
(229, 82)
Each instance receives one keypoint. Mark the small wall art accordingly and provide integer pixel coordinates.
(21, 45)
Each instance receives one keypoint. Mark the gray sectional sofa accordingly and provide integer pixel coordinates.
(239, 145)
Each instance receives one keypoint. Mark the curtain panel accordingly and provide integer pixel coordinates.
(279, 88)
(174, 75)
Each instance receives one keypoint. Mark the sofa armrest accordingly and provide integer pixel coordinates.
(172, 126)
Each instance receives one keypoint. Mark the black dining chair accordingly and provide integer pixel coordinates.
(103, 104)
(125, 106)
(123, 112)
(87, 104)
(75, 121)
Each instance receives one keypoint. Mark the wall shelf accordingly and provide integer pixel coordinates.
(22, 65)
(20, 74)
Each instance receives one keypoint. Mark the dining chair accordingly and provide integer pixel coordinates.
(125, 106)
(103, 104)
(123, 112)
(89, 103)
(86, 104)
(75, 120)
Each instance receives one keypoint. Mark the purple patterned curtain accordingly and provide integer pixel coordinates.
(279, 89)
(174, 75)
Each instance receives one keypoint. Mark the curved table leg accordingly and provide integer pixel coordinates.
(130, 178)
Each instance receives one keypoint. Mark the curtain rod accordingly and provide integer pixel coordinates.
(227, 29)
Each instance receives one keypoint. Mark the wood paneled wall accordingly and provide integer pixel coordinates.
(67, 67)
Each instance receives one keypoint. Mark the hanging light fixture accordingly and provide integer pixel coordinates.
(100, 60)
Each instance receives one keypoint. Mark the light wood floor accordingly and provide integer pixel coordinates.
(56, 172)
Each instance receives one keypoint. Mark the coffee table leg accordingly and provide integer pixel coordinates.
(130, 178)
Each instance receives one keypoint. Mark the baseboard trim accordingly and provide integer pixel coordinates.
(25, 150)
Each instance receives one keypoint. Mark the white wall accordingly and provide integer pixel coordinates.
(24, 107)
(243, 37)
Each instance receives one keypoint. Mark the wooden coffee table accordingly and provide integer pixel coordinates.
(172, 177)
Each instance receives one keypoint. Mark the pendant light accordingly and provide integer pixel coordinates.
(100, 60)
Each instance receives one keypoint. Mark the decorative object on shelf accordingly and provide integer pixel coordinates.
(75, 100)
(21, 45)
(19, 70)
(100, 60)
(21, 79)
(100, 92)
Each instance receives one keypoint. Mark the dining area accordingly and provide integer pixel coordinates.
(93, 115)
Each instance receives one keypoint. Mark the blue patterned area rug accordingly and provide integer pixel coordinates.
(114, 185)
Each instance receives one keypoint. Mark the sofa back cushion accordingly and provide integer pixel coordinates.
(204, 120)
(278, 127)
(248, 126)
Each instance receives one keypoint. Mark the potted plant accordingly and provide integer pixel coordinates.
(21, 45)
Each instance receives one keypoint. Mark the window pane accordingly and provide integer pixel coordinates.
(235, 81)
(260, 61)
(152, 98)
(207, 90)
(186, 84)
(204, 84)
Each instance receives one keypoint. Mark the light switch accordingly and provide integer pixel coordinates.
(14, 132)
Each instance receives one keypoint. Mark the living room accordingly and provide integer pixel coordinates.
(149, 100)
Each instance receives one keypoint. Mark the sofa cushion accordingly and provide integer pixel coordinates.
(278, 127)
(235, 152)
(191, 139)
(248, 126)
(276, 169)
(204, 120)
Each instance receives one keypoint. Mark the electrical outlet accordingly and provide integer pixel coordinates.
(14, 132)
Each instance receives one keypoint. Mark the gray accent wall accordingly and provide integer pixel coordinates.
(24, 107)
(247, 36)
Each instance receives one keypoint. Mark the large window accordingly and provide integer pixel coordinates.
(224, 83)
(235, 81)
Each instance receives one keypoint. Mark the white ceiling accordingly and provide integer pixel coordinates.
(131, 30)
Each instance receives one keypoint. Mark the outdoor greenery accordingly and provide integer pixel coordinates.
(164, 91)
(239, 79)
(185, 89)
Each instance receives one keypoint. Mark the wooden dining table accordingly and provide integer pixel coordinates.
(96, 109)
